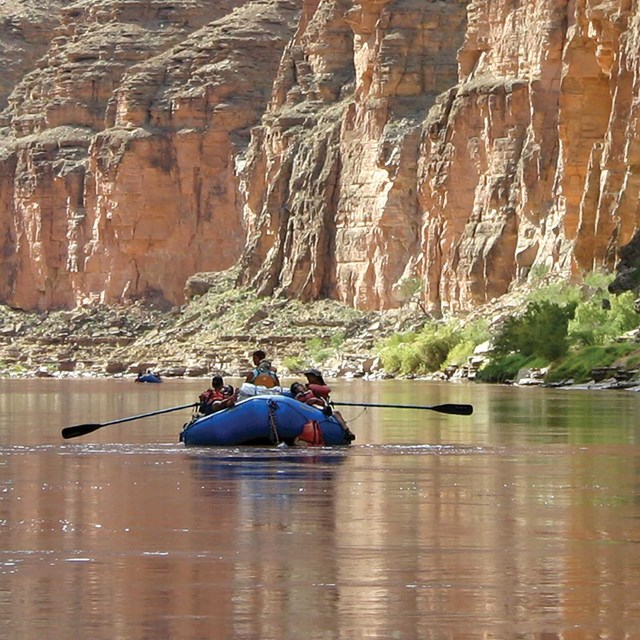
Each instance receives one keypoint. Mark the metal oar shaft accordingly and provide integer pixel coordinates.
(148, 415)
(457, 409)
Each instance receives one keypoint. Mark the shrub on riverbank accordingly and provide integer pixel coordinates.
(559, 321)
(570, 329)
(540, 332)
(434, 346)
(571, 339)
(600, 320)
(418, 353)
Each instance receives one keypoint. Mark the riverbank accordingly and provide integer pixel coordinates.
(216, 330)
(220, 326)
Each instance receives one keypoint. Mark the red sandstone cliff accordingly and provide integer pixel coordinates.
(333, 147)
(119, 150)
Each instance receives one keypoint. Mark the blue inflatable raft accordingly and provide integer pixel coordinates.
(149, 377)
(266, 420)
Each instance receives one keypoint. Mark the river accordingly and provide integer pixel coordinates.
(520, 521)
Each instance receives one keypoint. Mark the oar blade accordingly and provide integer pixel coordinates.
(79, 430)
(84, 429)
(457, 409)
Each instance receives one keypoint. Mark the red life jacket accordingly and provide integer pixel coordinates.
(211, 395)
(208, 397)
(311, 435)
(320, 391)
(305, 396)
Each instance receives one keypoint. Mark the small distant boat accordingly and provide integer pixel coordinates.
(149, 377)
(266, 420)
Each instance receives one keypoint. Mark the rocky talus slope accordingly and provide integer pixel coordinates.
(215, 332)
(219, 327)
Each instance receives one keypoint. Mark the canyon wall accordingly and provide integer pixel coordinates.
(352, 149)
(118, 151)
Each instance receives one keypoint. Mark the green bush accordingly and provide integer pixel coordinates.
(558, 317)
(505, 368)
(418, 353)
(471, 335)
(623, 312)
(337, 340)
(434, 346)
(541, 332)
(593, 324)
(318, 351)
(390, 350)
(589, 325)
(559, 293)
(294, 364)
(460, 353)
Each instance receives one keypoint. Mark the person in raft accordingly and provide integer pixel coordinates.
(217, 397)
(316, 392)
(148, 372)
(316, 384)
(263, 373)
(300, 392)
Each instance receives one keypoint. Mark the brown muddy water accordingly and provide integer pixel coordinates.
(521, 521)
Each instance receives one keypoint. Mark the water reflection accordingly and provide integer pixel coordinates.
(275, 512)
(281, 463)
(523, 522)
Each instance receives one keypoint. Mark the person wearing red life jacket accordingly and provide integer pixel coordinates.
(317, 385)
(301, 393)
(217, 397)
(321, 391)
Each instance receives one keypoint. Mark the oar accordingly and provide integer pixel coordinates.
(84, 429)
(457, 409)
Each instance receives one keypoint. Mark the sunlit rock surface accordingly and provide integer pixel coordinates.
(329, 148)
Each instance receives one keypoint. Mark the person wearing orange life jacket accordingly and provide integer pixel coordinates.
(217, 397)
(263, 374)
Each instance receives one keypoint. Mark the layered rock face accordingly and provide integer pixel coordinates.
(341, 145)
(481, 140)
(26, 31)
(539, 125)
(117, 169)
(351, 149)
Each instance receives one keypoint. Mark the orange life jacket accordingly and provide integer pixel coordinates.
(264, 379)
(311, 435)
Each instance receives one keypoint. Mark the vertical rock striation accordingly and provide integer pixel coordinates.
(351, 149)
(118, 151)
(331, 188)
(478, 141)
